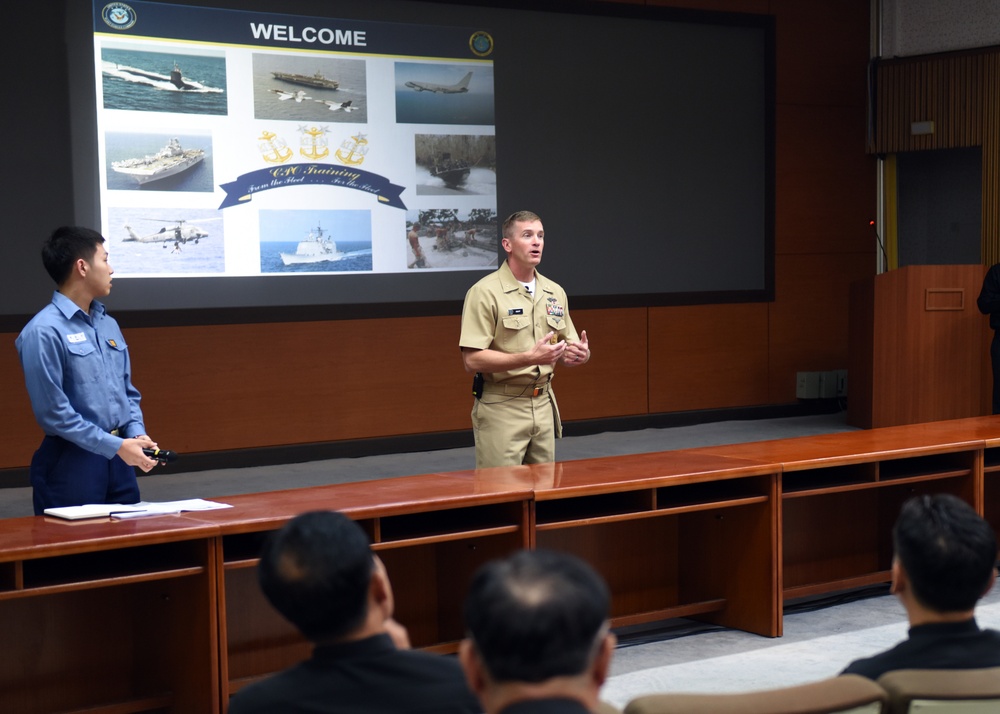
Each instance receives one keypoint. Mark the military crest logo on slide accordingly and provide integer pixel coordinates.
(481, 44)
(118, 15)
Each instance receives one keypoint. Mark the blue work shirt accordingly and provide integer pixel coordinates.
(79, 377)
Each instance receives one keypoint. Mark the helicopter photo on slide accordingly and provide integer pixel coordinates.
(165, 240)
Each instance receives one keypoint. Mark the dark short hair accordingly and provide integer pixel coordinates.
(947, 550)
(519, 217)
(316, 572)
(536, 615)
(65, 246)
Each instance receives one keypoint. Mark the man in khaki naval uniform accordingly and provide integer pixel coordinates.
(515, 327)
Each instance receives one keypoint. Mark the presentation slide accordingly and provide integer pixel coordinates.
(239, 143)
(253, 160)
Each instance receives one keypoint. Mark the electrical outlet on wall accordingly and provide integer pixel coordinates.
(841, 382)
(807, 385)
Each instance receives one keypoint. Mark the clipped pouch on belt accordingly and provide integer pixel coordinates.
(477, 385)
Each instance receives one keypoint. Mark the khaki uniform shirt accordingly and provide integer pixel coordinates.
(499, 314)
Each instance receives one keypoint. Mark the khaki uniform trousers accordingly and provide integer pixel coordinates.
(513, 427)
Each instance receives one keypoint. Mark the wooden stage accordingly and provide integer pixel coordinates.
(164, 613)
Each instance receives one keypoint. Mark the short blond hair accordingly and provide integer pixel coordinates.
(519, 217)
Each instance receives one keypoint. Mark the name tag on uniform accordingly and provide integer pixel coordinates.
(515, 311)
(78, 337)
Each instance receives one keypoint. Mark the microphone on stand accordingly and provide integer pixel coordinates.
(885, 257)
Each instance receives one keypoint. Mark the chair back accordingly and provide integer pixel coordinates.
(943, 691)
(846, 694)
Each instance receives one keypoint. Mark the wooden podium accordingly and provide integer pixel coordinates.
(919, 347)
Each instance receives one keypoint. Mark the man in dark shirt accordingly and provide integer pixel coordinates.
(538, 639)
(319, 572)
(945, 557)
(989, 304)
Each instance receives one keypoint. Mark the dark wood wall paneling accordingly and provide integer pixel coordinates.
(960, 93)
(212, 388)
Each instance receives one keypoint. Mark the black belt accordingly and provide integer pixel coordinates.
(529, 389)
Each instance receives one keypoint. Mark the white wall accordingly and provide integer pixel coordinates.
(921, 27)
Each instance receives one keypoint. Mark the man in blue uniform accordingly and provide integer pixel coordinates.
(79, 379)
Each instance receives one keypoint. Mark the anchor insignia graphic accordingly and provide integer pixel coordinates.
(313, 143)
(273, 149)
(352, 151)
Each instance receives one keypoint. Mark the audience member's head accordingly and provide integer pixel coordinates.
(319, 572)
(65, 246)
(946, 551)
(537, 626)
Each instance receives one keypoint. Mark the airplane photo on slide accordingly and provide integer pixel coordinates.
(299, 96)
(458, 88)
(444, 93)
(338, 106)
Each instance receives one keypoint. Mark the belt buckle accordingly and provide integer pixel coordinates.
(115, 432)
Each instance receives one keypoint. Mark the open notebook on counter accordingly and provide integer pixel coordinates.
(133, 510)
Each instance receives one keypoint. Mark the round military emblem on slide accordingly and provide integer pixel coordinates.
(118, 15)
(481, 44)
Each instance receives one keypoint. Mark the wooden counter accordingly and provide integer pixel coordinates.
(117, 614)
(841, 493)
(164, 613)
(675, 534)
